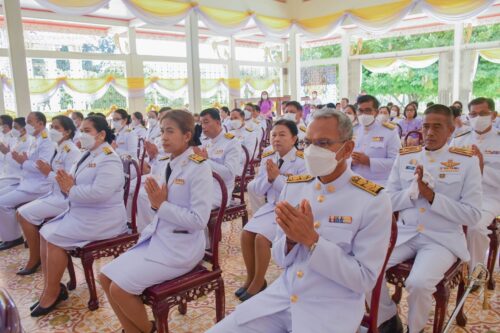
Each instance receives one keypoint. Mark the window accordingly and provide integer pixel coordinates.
(162, 43)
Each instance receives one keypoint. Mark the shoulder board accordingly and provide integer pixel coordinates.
(410, 150)
(197, 158)
(164, 158)
(300, 154)
(129, 130)
(249, 129)
(462, 134)
(44, 135)
(23, 139)
(299, 178)
(302, 128)
(268, 153)
(389, 125)
(229, 136)
(107, 150)
(256, 121)
(67, 148)
(461, 151)
(366, 185)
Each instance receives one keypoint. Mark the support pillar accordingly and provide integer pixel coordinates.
(445, 78)
(193, 62)
(354, 80)
(458, 40)
(17, 55)
(344, 65)
(234, 72)
(294, 65)
(135, 69)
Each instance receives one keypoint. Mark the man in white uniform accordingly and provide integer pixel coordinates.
(331, 247)
(245, 134)
(484, 141)
(293, 112)
(436, 190)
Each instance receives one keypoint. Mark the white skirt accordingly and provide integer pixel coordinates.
(264, 225)
(36, 212)
(144, 274)
(49, 232)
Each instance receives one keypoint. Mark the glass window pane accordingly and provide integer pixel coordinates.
(322, 79)
(161, 43)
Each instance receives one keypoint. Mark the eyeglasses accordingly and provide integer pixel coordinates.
(481, 114)
(322, 143)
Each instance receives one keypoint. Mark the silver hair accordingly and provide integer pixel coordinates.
(344, 124)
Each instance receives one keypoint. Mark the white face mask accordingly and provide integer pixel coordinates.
(366, 119)
(55, 135)
(30, 129)
(264, 96)
(383, 118)
(117, 125)
(394, 114)
(152, 122)
(15, 133)
(480, 123)
(320, 161)
(289, 116)
(350, 116)
(236, 123)
(248, 114)
(87, 141)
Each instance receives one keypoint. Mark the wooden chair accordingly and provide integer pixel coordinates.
(400, 130)
(456, 275)
(493, 253)
(410, 133)
(370, 319)
(250, 172)
(237, 207)
(10, 322)
(197, 283)
(107, 247)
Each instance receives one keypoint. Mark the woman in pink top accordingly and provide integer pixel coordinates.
(266, 105)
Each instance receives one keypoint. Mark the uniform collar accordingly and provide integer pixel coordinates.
(338, 183)
(436, 153)
(484, 135)
(59, 147)
(99, 149)
(290, 156)
(181, 158)
(217, 138)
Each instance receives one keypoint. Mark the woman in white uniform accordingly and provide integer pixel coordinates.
(126, 140)
(33, 214)
(153, 133)
(138, 125)
(96, 210)
(174, 243)
(258, 234)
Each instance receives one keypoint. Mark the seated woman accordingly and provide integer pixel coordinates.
(283, 160)
(33, 214)
(411, 122)
(126, 140)
(174, 243)
(96, 210)
(350, 111)
(138, 125)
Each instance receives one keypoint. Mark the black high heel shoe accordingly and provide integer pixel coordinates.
(34, 305)
(240, 292)
(29, 271)
(246, 295)
(40, 311)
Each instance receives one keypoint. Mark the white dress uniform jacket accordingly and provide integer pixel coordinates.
(126, 142)
(224, 156)
(248, 137)
(12, 169)
(140, 131)
(153, 133)
(325, 290)
(381, 143)
(96, 208)
(53, 203)
(174, 243)
(8, 140)
(264, 220)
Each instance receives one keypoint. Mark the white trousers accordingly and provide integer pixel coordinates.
(478, 240)
(280, 322)
(432, 260)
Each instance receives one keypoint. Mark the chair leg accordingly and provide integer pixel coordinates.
(493, 253)
(183, 308)
(161, 319)
(461, 318)
(72, 276)
(442, 296)
(87, 263)
(396, 297)
(220, 300)
(244, 219)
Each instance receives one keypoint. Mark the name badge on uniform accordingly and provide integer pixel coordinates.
(91, 165)
(410, 167)
(449, 166)
(219, 152)
(377, 139)
(340, 219)
(492, 152)
(179, 181)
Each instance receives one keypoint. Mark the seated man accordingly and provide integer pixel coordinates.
(377, 144)
(331, 247)
(246, 135)
(485, 143)
(436, 191)
(222, 151)
(293, 112)
(33, 183)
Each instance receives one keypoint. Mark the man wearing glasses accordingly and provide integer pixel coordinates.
(377, 144)
(485, 144)
(331, 247)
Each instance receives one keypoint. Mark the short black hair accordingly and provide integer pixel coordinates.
(256, 108)
(240, 111)
(457, 112)
(212, 112)
(100, 124)
(40, 117)
(345, 99)
(331, 105)
(78, 114)
(296, 104)
(429, 104)
(481, 100)
(21, 121)
(292, 126)
(225, 109)
(459, 103)
(368, 98)
(123, 114)
(67, 124)
(414, 103)
(250, 105)
(416, 108)
(6, 120)
(440, 109)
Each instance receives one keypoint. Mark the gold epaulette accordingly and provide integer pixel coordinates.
(249, 129)
(24, 138)
(268, 153)
(461, 151)
(389, 125)
(197, 158)
(128, 130)
(299, 178)
(300, 154)
(366, 185)
(107, 150)
(256, 121)
(303, 128)
(164, 158)
(410, 150)
(229, 136)
(44, 135)
(67, 148)
(461, 134)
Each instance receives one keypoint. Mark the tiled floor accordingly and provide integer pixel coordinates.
(73, 315)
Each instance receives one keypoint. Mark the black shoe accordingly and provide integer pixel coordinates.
(393, 325)
(240, 292)
(246, 295)
(29, 271)
(9, 244)
(39, 311)
(34, 305)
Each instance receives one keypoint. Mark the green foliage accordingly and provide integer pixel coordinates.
(320, 52)
(408, 42)
(485, 33)
(487, 80)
